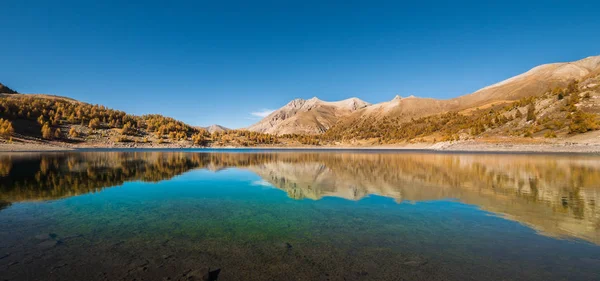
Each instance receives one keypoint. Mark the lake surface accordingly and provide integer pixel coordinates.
(263, 215)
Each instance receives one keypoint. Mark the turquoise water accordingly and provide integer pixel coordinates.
(298, 216)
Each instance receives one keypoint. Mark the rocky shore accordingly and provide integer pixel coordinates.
(458, 146)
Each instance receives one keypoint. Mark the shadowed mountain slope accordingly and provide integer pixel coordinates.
(6, 90)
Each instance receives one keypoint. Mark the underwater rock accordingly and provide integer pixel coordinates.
(415, 262)
(284, 245)
(48, 244)
(46, 236)
(48, 240)
(2, 256)
(59, 266)
(138, 265)
(211, 275)
(71, 237)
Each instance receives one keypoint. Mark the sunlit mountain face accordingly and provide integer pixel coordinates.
(301, 215)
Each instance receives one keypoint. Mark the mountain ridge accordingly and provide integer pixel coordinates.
(6, 90)
(216, 128)
(296, 118)
(554, 101)
(311, 116)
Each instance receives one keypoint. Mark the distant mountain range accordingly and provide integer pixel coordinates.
(558, 100)
(314, 116)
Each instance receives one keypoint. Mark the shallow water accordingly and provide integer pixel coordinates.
(260, 215)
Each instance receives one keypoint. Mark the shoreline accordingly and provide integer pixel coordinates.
(441, 147)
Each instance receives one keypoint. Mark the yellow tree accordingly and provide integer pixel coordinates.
(73, 133)
(46, 131)
(6, 128)
(94, 123)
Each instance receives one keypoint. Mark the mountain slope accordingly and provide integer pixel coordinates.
(6, 90)
(54, 119)
(532, 83)
(312, 116)
(38, 122)
(215, 128)
(568, 113)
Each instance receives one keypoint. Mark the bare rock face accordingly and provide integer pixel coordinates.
(215, 128)
(312, 116)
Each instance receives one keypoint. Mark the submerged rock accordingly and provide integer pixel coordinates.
(415, 262)
(211, 275)
(48, 240)
(48, 244)
(284, 245)
(46, 236)
(71, 237)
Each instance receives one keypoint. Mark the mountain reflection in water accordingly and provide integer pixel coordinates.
(554, 194)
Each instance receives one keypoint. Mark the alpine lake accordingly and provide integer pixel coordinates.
(235, 214)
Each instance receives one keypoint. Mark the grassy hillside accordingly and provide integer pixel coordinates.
(561, 112)
(62, 121)
(315, 116)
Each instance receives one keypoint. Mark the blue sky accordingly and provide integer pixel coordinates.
(208, 62)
